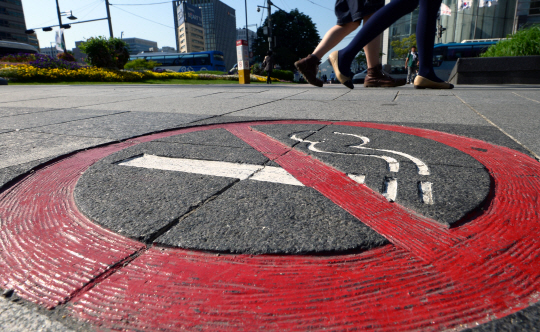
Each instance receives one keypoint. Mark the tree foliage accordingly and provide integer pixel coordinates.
(106, 53)
(295, 37)
(402, 47)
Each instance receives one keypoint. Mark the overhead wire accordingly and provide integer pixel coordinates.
(144, 18)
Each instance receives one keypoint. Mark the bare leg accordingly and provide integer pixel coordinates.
(333, 37)
(372, 49)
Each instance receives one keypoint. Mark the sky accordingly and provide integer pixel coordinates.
(153, 19)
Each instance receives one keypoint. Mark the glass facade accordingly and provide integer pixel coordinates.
(487, 22)
(12, 24)
(219, 21)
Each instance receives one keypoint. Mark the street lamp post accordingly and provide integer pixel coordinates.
(60, 23)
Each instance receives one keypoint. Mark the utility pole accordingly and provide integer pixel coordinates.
(60, 23)
(247, 35)
(175, 14)
(108, 17)
(270, 41)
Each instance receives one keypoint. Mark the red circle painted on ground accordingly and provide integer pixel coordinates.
(430, 278)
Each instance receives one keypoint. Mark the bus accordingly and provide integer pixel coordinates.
(446, 55)
(7, 47)
(183, 62)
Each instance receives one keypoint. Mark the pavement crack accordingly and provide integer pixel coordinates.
(103, 276)
(192, 209)
(536, 156)
(397, 94)
(341, 95)
(210, 94)
(536, 101)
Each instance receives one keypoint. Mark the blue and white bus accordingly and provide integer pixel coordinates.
(446, 55)
(183, 62)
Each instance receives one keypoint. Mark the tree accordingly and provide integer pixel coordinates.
(402, 47)
(106, 53)
(295, 37)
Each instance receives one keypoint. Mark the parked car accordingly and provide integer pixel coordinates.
(359, 78)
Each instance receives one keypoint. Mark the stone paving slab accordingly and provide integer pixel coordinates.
(381, 111)
(41, 119)
(16, 318)
(122, 126)
(11, 111)
(513, 109)
(25, 146)
(207, 105)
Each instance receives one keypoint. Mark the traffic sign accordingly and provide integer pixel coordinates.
(431, 277)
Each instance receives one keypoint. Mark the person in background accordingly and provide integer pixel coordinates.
(268, 65)
(349, 14)
(425, 39)
(411, 63)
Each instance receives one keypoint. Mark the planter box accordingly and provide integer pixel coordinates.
(502, 70)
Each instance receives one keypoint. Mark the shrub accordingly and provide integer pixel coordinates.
(20, 57)
(285, 75)
(66, 56)
(46, 62)
(140, 64)
(106, 53)
(522, 43)
(257, 69)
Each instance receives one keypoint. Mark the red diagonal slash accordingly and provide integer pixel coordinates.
(424, 238)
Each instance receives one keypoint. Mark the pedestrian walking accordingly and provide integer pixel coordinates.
(268, 65)
(425, 39)
(411, 63)
(350, 13)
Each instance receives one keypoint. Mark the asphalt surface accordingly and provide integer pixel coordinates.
(39, 124)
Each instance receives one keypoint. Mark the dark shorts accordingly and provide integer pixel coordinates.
(354, 10)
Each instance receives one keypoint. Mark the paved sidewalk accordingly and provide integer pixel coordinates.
(39, 124)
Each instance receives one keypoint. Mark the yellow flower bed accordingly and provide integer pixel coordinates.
(27, 73)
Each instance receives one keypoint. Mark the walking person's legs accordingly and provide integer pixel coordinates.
(268, 80)
(409, 74)
(382, 19)
(425, 40)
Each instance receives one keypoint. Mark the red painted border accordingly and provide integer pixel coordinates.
(432, 278)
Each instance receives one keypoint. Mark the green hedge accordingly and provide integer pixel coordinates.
(522, 43)
(285, 75)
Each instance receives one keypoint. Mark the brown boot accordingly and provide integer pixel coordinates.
(376, 77)
(309, 67)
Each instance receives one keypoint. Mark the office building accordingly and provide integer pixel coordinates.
(168, 49)
(12, 24)
(219, 22)
(479, 19)
(50, 51)
(190, 28)
(79, 55)
(33, 40)
(246, 34)
(138, 45)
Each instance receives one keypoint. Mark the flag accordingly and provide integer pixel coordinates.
(60, 40)
(487, 3)
(445, 10)
(464, 4)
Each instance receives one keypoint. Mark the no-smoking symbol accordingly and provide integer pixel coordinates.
(431, 277)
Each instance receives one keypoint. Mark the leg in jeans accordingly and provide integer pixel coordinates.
(379, 21)
(268, 80)
(425, 37)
